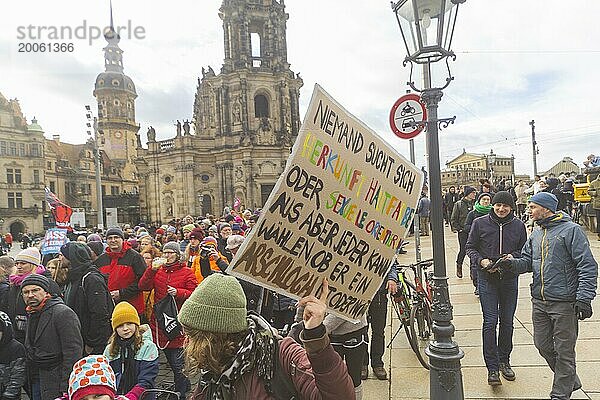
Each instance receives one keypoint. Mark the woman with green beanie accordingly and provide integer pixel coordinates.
(239, 357)
(482, 207)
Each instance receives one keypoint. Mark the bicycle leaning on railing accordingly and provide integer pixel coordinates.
(412, 304)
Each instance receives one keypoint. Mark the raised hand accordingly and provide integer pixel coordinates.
(314, 308)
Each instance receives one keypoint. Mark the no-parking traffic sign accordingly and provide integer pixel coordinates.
(407, 116)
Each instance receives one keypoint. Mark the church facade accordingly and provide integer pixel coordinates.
(245, 120)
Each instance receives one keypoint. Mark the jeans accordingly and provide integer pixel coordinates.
(498, 299)
(555, 329)
(377, 318)
(175, 360)
(36, 390)
(462, 243)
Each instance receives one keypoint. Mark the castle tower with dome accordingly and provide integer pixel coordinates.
(115, 94)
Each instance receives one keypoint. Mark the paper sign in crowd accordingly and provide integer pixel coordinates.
(340, 210)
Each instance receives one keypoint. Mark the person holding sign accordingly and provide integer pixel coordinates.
(240, 358)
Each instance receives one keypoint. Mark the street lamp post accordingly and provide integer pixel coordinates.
(427, 27)
(491, 159)
(93, 124)
(200, 203)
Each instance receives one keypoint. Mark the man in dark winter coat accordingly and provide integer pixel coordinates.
(457, 222)
(124, 267)
(12, 361)
(87, 294)
(449, 200)
(53, 340)
(27, 262)
(565, 279)
(492, 236)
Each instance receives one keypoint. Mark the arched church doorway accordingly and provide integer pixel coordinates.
(17, 229)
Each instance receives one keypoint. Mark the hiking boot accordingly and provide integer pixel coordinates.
(494, 378)
(380, 373)
(459, 271)
(364, 372)
(507, 372)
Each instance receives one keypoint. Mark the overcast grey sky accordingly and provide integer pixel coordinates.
(516, 61)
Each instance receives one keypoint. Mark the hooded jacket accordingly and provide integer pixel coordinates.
(124, 270)
(12, 361)
(558, 253)
(146, 359)
(87, 294)
(178, 276)
(459, 214)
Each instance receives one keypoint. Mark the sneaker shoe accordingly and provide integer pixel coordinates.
(507, 372)
(494, 378)
(459, 271)
(364, 372)
(380, 373)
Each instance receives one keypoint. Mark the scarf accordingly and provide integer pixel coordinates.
(17, 279)
(38, 308)
(482, 209)
(129, 370)
(508, 218)
(256, 354)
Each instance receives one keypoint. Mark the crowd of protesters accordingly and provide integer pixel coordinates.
(91, 309)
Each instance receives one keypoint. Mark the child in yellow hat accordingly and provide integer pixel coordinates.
(131, 352)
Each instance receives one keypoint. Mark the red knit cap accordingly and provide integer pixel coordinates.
(95, 390)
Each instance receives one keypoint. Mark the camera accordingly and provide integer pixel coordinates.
(205, 251)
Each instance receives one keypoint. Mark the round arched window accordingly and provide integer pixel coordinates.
(261, 106)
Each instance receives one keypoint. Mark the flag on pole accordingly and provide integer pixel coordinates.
(61, 212)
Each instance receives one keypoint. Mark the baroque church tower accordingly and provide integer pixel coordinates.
(117, 130)
(256, 94)
(245, 119)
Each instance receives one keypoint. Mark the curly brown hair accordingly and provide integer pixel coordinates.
(210, 351)
(113, 345)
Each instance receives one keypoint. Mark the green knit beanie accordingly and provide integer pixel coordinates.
(217, 305)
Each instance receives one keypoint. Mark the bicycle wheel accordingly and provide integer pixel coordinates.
(402, 309)
(420, 330)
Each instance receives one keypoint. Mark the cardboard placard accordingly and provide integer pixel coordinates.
(340, 209)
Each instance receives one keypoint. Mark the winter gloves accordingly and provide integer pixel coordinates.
(583, 309)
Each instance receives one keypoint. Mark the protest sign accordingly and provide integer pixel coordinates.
(340, 210)
(53, 240)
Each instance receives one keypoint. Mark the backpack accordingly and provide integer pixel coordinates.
(111, 301)
(281, 386)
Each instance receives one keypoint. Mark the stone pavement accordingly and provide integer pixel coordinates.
(409, 380)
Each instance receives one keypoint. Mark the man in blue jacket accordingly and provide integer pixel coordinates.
(564, 284)
(491, 236)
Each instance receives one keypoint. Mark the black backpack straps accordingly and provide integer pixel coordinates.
(281, 386)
